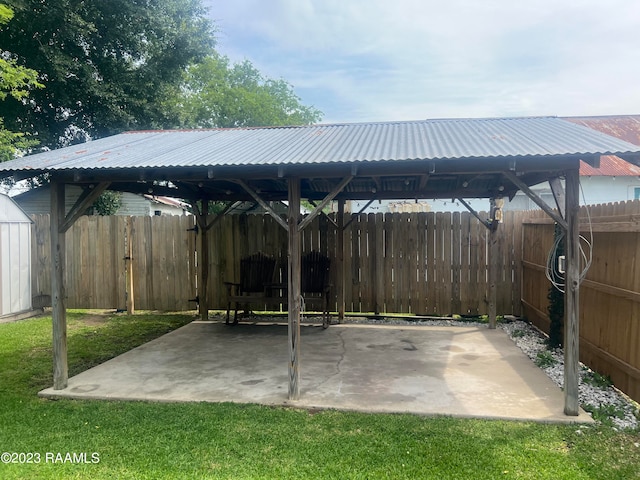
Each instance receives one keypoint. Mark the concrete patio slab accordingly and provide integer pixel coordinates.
(458, 371)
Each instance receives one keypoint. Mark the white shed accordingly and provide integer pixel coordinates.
(15, 258)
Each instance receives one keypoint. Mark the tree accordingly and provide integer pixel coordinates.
(216, 93)
(16, 81)
(108, 203)
(108, 65)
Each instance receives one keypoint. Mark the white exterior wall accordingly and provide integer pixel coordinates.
(609, 189)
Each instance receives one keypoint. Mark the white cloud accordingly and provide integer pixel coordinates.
(385, 60)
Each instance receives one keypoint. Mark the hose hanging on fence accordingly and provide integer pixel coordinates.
(552, 272)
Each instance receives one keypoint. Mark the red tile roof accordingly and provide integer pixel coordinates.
(624, 127)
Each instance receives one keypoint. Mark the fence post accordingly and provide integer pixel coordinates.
(493, 264)
(203, 262)
(340, 260)
(129, 266)
(572, 294)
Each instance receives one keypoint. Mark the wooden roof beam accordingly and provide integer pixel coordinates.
(263, 204)
(536, 199)
(309, 218)
(85, 200)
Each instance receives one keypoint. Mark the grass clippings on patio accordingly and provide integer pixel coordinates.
(198, 440)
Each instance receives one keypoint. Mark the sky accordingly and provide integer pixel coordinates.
(388, 60)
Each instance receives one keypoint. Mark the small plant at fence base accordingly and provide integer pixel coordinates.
(605, 413)
(556, 301)
(597, 380)
(518, 333)
(545, 359)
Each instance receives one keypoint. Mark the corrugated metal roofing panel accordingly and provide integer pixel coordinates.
(610, 166)
(624, 127)
(334, 143)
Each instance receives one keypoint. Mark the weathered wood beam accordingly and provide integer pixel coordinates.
(340, 260)
(493, 265)
(558, 195)
(264, 204)
(219, 216)
(378, 266)
(59, 312)
(366, 205)
(423, 181)
(483, 221)
(85, 200)
(294, 265)
(536, 199)
(129, 266)
(329, 219)
(572, 294)
(336, 190)
(203, 261)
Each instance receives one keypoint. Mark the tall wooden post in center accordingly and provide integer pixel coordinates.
(203, 259)
(294, 288)
(493, 265)
(58, 309)
(340, 260)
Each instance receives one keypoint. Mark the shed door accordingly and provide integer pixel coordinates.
(15, 266)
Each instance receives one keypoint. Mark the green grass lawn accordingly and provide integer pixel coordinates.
(163, 440)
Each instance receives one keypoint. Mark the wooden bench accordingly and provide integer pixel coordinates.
(256, 284)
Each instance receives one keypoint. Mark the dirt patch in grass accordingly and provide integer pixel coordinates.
(95, 320)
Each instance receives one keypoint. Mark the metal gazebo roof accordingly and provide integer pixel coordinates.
(417, 159)
(424, 159)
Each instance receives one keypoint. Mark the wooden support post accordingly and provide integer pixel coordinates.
(558, 195)
(294, 288)
(493, 265)
(340, 260)
(129, 267)
(59, 312)
(572, 294)
(203, 263)
(379, 274)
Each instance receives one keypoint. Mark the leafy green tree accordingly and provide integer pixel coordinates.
(108, 64)
(108, 203)
(217, 93)
(16, 81)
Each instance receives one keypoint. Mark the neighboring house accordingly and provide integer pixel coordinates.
(37, 201)
(615, 181)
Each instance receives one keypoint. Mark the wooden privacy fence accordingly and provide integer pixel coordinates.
(609, 295)
(423, 263)
(97, 252)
